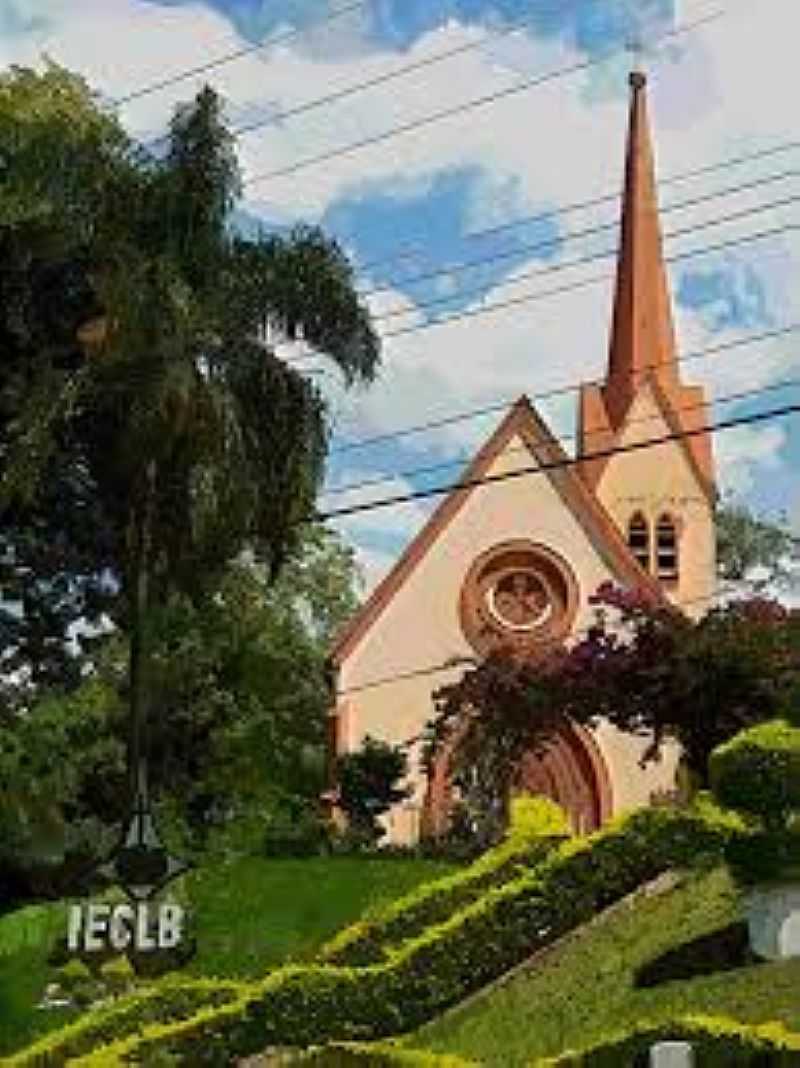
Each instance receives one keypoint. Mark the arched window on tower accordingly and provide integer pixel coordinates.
(666, 548)
(639, 539)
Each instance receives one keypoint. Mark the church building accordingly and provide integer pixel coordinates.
(517, 559)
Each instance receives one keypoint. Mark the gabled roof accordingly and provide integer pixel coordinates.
(523, 421)
(684, 409)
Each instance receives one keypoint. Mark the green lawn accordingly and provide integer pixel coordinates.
(25, 936)
(251, 915)
(587, 990)
(256, 914)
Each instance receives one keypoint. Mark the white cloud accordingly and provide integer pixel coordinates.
(560, 143)
(374, 567)
(745, 451)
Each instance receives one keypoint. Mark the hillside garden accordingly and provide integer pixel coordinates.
(161, 568)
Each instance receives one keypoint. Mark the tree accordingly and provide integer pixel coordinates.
(646, 668)
(239, 678)
(757, 550)
(368, 786)
(698, 681)
(193, 437)
(60, 152)
(500, 709)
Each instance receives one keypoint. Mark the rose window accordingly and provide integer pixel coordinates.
(519, 594)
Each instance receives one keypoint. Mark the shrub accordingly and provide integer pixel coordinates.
(369, 784)
(758, 772)
(171, 999)
(76, 979)
(536, 827)
(309, 1005)
(118, 974)
(379, 1055)
(295, 829)
(718, 1043)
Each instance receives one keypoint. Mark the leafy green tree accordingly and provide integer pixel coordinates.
(646, 668)
(62, 782)
(240, 696)
(191, 437)
(757, 550)
(368, 785)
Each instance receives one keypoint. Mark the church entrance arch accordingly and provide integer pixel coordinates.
(571, 772)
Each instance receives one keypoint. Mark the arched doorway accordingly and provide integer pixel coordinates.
(571, 772)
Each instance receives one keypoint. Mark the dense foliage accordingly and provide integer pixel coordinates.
(536, 827)
(305, 1005)
(135, 388)
(645, 667)
(368, 783)
(148, 434)
(757, 773)
(240, 683)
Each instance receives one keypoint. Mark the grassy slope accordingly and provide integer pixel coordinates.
(25, 936)
(586, 990)
(251, 915)
(258, 913)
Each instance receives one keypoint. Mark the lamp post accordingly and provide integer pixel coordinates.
(140, 863)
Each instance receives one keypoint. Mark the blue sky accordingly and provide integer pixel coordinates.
(592, 25)
(419, 203)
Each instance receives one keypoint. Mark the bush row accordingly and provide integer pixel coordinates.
(379, 1055)
(758, 772)
(537, 826)
(306, 1006)
(717, 1042)
(174, 998)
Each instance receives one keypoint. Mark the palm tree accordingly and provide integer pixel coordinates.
(199, 438)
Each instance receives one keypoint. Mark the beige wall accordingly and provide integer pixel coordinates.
(660, 479)
(420, 629)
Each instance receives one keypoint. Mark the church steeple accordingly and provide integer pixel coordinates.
(642, 344)
(642, 333)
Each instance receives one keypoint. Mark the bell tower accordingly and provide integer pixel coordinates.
(662, 497)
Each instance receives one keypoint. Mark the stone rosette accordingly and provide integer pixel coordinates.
(518, 595)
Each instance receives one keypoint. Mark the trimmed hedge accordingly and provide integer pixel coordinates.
(175, 998)
(306, 1006)
(380, 1055)
(758, 772)
(718, 1043)
(537, 826)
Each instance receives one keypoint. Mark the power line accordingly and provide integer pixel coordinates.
(593, 257)
(382, 79)
(681, 176)
(556, 242)
(230, 57)
(550, 465)
(459, 661)
(570, 287)
(541, 294)
(478, 102)
(729, 398)
(558, 391)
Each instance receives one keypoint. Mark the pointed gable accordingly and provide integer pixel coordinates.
(544, 451)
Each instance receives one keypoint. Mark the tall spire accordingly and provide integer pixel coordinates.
(642, 334)
(642, 343)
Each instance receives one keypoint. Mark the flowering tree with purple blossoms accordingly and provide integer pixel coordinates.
(645, 667)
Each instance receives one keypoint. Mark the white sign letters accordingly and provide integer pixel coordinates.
(93, 927)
